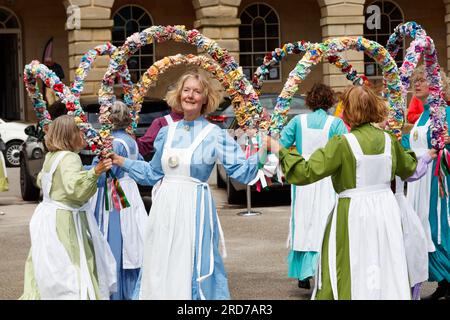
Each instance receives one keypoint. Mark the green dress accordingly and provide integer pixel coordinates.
(72, 186)
(337, 160)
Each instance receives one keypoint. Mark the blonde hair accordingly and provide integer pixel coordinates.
(361, 105)
(120, 115)
(421, 72)
(212, 93)
(63, 135)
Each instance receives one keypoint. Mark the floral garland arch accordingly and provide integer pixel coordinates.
(70, 96)
(35, 70)
(151, 75)
(275, 57)
(247, 107)
(422, 46)
(332, 47)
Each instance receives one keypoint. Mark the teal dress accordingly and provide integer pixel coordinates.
(439, 260)
(302, 264)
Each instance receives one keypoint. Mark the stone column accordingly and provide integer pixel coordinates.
(93, 28)
(342, 18)
(217, 20)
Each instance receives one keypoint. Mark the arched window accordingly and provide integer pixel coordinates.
(390, 17)
(8, 20)
(259, 33)
(128, 20)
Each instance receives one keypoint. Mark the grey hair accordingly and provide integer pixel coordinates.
(120, 116)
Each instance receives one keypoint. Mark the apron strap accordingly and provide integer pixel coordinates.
(132, 156)
(200, 137)
(387, 145)
(169, 120)
(328, 123)
(48, 176)
(170, 135)
(354, 144)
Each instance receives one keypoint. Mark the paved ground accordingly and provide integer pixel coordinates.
(256, 262)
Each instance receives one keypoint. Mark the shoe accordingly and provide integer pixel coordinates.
(442, 292)
(304, 284)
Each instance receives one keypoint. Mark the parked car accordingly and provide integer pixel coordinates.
(13, 135)
(236, 190)
(32, 152)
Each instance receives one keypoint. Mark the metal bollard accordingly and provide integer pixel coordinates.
(249, 211)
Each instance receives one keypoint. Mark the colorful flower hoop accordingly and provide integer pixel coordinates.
(247, 107)
(422, 46)
(36, 70)
(275, 57)
(332, 47)
(150, 77)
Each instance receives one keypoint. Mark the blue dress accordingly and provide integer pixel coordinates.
(439, 260)
(126, 278)
(218, 145)
(302, 264)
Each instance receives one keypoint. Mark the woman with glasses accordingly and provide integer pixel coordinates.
(423, 194)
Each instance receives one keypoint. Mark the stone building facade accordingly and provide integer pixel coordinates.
(247, 28)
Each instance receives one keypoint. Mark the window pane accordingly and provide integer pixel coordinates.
(118, 21)
(272, 44)
(383, 40)
(396, 14)
(272, 18)
(133, 62)
(245, 60)
(145, 21)
(146, 62)
(136, 12)
(118, 34)
(259, 45)
(4, 15)
(259, 28)
(385, 26)
(131, 27)
(258, 59)
(272, 30)
(245, 18)
(148, 49)
(126, 13)
(395, 23)
(252, 10)
(245, 32)
(263, 10)
(274, 73)
(245, 45)
(248, 72)
(12, 23)
(388, 7)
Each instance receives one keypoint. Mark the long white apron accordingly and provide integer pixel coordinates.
(419, 192)
(132, 219)
(414, 238)
(378, 267)
(56, 276)
(167, 270)
(312, 204)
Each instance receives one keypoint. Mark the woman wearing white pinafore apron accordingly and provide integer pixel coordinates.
(363, 254)
(69, 258)
(311, 204)
(124, 229)
(181, 248)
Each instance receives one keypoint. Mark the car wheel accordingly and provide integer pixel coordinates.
(233, 196)
(27, 188)
(220, 182)
(12, 153)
